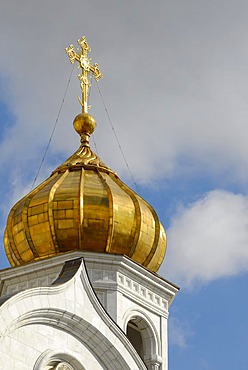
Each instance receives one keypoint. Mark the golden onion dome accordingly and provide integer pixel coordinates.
(84, 205)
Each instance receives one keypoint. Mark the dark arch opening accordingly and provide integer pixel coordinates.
(134, 335)
(141, 334)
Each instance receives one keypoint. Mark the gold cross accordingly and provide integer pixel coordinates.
(84, 64)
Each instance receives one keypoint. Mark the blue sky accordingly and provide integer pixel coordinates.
(176, 88)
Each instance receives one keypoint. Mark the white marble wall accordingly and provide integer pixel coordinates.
(126, 290)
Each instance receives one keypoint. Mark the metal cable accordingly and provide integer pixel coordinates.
(93, 137)
(54, 127)
(118, 142)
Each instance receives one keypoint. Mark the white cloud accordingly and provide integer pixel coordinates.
(179, 332)
(208, 240)
(181, 97)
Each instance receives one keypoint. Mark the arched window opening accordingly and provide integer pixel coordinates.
(143, 338)
(134, 335)
(61, 360)
(58, 365)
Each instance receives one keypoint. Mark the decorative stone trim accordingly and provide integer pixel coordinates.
(142, 291)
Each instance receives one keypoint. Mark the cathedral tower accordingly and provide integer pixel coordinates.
(83, 291)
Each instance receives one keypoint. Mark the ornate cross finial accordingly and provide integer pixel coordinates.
(84, 64)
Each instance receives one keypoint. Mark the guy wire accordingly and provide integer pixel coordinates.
(93, 137)
(118, 142)
(54, 127)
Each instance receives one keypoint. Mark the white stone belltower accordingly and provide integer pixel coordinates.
(83, 292)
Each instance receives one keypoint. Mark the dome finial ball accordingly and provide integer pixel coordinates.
(84, 124)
